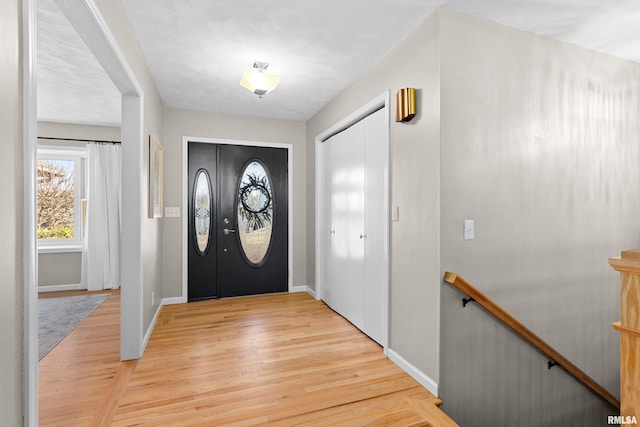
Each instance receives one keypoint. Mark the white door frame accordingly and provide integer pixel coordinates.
(185, 203)
(85, 17)
(379, 102)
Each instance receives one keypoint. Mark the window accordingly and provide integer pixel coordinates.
(60, 186)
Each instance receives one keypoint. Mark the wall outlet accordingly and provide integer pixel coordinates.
(153, 298)
(172, 212)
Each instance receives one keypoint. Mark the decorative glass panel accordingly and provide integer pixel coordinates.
(202, 211)
(255, 212)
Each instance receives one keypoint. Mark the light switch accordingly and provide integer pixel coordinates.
(395, 213)
(469, 229)
(172, 212)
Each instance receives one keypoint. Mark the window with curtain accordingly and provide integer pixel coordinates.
(61, 197)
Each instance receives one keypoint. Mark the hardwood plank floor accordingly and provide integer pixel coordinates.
(282, 360)
(77, 374)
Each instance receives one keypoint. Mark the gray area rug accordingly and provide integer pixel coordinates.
(57, 317)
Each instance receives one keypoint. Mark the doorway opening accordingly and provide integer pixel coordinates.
(84, 16)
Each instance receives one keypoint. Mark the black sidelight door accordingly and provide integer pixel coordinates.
(238, 220)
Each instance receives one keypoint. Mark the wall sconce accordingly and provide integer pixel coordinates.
(405, 104)
(258, 81)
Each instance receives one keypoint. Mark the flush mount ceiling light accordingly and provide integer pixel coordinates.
(258, 81)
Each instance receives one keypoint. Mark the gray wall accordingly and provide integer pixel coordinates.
(179, 123)
(415, 153)
(11, 199)
(65, 268)
(72, 130)
(541, 147)
(59, 269)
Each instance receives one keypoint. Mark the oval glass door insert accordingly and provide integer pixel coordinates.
(202, 211)
(255, 212)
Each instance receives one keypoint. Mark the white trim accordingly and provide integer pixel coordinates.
(79, 192)
(29, 234)
(185, 200)
(379, 102)
(312, 293)
(298, 289)
(59, 249)
(171, 301)
(414, 372)
(152, 325)
(56, 288)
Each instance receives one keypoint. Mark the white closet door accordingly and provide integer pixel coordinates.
(375, 249)
(355, 265)
(346, 192)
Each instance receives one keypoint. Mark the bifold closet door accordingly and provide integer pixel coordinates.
(355, 241)
(376, 165)
(344, 206)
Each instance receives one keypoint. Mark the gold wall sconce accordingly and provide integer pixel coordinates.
(405, 104)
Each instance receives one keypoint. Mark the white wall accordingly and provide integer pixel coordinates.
(541, 147)
(11, 200)
(179, 123)
(415, 152)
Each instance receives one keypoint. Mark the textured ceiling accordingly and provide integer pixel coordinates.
(198, 49)
(72, 86)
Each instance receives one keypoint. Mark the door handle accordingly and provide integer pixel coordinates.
(226, 231)
(363, 236)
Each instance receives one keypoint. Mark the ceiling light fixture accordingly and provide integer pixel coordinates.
(258, 81)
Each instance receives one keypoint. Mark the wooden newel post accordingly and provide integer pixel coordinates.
(629, 327)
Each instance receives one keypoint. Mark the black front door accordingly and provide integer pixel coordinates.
(238, 220)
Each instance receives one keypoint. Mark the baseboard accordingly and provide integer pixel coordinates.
(294, 288)
(171, 301)
(414, 372)
(303, 288)
(152, 325)
(56, 288)
(312, 292)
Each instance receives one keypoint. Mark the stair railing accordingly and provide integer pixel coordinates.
(506, 318)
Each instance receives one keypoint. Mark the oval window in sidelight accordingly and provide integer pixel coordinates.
(255, 212)
(202, 211)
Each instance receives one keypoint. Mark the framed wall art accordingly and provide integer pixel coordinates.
(156, 158)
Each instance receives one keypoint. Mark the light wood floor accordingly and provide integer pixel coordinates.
(277, 360)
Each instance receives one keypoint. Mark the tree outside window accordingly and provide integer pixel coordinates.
(56, 199)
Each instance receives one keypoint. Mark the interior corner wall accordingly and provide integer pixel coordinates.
(415, 152)
(11, 200)
(541, 147)
(118, 22)
(180, 123)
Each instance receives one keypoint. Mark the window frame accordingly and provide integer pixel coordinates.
(79, 157)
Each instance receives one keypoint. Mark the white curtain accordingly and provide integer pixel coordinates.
(101, 252)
